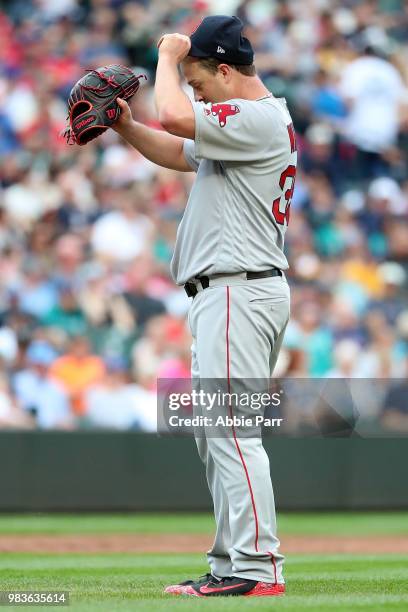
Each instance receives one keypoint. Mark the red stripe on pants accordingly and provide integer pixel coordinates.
(235, 436)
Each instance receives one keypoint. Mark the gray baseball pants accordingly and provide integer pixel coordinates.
(238, 327)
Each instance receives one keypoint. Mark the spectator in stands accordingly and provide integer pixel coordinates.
(101, 220)
(11, 415)
(37, 294)
(77, 371)
(136, 294)
(41, 396)
(116, 403)
(316, 339)
(155, 347)
(124, 233)
(374, 93)
(391, 303)
(66, 315)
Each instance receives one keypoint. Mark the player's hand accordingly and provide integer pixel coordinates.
(125, 117)
(176, 46)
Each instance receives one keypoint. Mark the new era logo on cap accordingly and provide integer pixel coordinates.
(220, 49)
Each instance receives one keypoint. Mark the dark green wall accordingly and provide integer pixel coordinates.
(42, 471)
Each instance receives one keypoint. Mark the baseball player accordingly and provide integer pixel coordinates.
(239, 140)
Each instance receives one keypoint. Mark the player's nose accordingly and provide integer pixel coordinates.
(198, 98)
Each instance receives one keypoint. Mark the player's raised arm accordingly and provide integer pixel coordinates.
(173, 105)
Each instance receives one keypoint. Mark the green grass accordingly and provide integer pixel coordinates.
(127, 582)
(334, 523)
(130, 582)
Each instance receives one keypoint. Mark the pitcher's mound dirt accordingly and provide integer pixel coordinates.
(194, 543)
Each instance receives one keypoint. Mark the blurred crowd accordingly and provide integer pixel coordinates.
(89, 316)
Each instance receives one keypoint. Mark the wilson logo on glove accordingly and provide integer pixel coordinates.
(84, 122)
(93, 101)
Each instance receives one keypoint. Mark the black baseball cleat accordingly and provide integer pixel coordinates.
(177, 589)
(228, 587)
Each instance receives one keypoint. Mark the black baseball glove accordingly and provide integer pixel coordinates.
(92, 106)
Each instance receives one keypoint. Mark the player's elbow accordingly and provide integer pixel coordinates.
(177, 124)
(166, 119)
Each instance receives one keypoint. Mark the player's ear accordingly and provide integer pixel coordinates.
(226, 72)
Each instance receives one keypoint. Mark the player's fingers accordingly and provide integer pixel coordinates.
(123, 105)
(125, 113)
(160, 42)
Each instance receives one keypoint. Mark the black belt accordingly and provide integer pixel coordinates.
(191, 289)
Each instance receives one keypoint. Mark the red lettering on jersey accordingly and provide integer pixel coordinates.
(281, 217)
(223, 111)
(292, 137)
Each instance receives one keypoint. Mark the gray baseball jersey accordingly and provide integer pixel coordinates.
(235, 220)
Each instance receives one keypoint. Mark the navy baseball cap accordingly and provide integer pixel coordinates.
(220, 37)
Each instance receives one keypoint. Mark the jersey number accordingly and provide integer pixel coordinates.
(281, 217)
